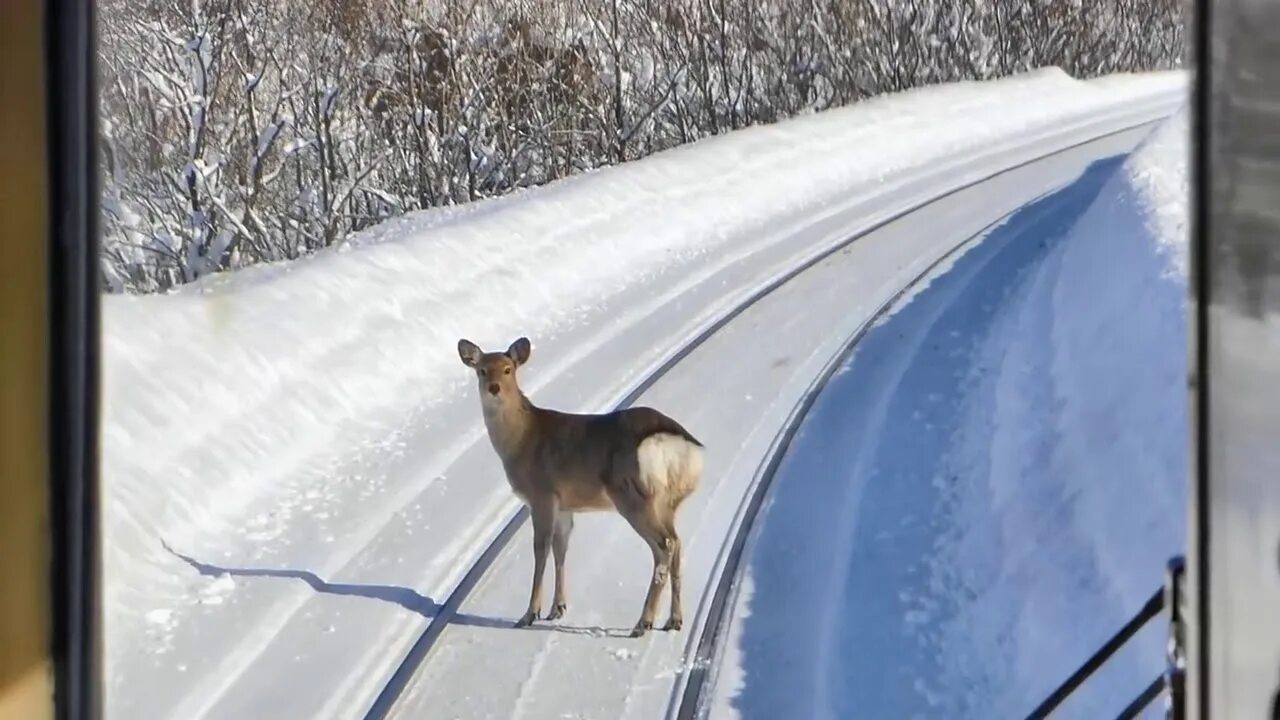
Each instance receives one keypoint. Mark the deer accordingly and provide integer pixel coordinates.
(635, 461)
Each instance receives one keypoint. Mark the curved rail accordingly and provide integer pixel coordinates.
(699, 673)
(417, 654)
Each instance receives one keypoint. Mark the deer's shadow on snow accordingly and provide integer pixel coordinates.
(407, 598)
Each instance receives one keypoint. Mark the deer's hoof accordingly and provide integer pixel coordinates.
(527, 619)
(557, 611)
(674, 623)
(641, 628)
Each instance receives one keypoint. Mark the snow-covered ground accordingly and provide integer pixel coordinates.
(295, 470)
(993, 481)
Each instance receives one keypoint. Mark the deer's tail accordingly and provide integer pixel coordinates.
(670, 467)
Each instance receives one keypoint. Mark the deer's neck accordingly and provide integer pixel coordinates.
(510, 425)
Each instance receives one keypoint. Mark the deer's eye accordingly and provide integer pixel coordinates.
(506, 371)
(482, 372)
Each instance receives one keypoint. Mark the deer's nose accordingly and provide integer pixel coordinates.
(493, 388)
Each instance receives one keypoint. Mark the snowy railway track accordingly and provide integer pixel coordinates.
(689, 689)
(688, 694)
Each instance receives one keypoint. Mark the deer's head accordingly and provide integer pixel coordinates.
(496, 371)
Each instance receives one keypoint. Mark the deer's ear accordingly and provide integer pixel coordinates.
(469, 352)
(519, 351)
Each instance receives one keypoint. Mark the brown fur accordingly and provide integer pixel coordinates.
(636, 461)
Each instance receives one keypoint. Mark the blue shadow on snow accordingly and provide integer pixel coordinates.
(987, 488)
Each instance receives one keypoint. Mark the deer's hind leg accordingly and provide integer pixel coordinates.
(651, 529)
(675, 548)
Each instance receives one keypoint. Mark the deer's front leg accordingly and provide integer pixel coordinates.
(559, 548)
(543, 523)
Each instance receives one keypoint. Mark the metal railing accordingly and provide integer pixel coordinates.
(1169, 682)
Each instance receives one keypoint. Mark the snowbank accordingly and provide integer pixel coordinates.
(1160, 174)
(996, 477)
(1086, 491)
(224, 394)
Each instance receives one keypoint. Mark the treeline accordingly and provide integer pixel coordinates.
(241, 131)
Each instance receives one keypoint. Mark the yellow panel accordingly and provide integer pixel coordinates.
(25, 670)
